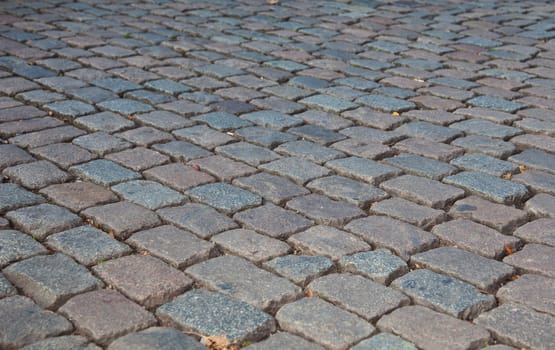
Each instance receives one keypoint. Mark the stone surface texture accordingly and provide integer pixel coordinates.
(366, 174)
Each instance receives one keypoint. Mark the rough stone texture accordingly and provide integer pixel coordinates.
(148, 194)
(87, 245)
(242, 280)
(300, 269)
(6, 288)
(17, 246)
(122, 218)
(519, 326)
(285, 341)
(271, 187)
(484, 273)
(177, 247)
(68, 342)
(534, 291)
(379, 265)
(343, 188)
(36, 175)
(476, 238)
(362, 169)
(11, 155)
(538, 231)
(23, 322)
(404, 239)
(367, 299)
(13, 196)
(225, 197)
(115, 315)
(435, 330)
(156, 338)
(77, 196)
(542, 204)
(210, 313)
(410, 212)
(104, 172)
(250, 245)
(178, 176)
(42, 220)
(200, 219)
(443, 293)
(327, 241)
(51, 279)
(534, 258)
(297, 318)
(144, 279)
(384, 341)
(324, 210)
(273, 221)
(500, 217)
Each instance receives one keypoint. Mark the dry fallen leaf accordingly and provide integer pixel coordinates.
(522, 168)
(507, 176)
(272, 2)
(218, 342)
(395, 114)
(111, 233)
(144, 253)
(508, 249)
(130, 117)
(196, 167)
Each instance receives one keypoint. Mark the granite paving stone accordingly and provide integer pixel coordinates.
(372, 118)
(145, 136)
(121, 218)
(144, 279)
(384, 341)
(101, 143)
(421, 166)
(272, 220)
(264, 137)
(486, 128)
(116, 315)
(541, 142)
(11, 155)
(13, 196)
(24, 322)
(328, 241)
(283, 340)
(240, 279)
(67, 342)
(530, 290)
(371, 134)
(41, 220)
(379, 265)
(77, 196)
(104, 172)
(70, 108)
(422, 190)
(489, 186)
(178, 176)
(385, 232)
(148, 194)
(107, 122)
(272, 119)
(138, 158)
(541, 205)
(297, 318)
(428, 131)
(92, 94)
(324, 210)
(533, 258)
(17, 246)
(202, 220)
(430, 149)
(449, 332)
(87, 245)
(248, 153)
(28, 125)
(346, 189)
(224, 197)
(486, 274)
(487, 145)
(363, 169)
(476, 238)
(535, 159)
(203, 136)
(250, 245)
(6, 288)
(63, 154)
(443, 293)
(209, 313)
(369, 300)
(410, 212)
(181, 150)
(385, 103)
(297, 169)
(156, 338)
(538, 231)
(308, 150)
(486, 164)
(50, 280)
(301, 269)
(36, 175)
(519, 326)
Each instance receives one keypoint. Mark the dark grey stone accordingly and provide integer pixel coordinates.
(324, 210)
(156, 338)
(41, 220)
(346, 189)
(443, 293)
(363, 169)
(104, 172)
(248, 153)
(23, 322)
(273, 188)
(301, 269)
(101, 143)
(379, 265)
(6, 288)
(17, 246)
(12, 196)
(533, 258)
(410, 212)
(299, 170)
(148, 194)
(298, 318)
(240, 279)
(486, 164)
(67, 342)
(210, 313)
(285, 341)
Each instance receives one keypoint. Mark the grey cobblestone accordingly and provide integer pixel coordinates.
(533, 258)
(36, 175)
(250, 245)
(42, 220)
(17, 246)
(13, 196)
(156, 338)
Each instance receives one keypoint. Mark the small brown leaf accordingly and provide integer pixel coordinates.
(508, 249)
(395, 114)
(507, 176)
(196, 167)
(308, 293)
(111, 234)
(130, 117)
(522, 168)
(218, 342)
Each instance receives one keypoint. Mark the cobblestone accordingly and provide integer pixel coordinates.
(519, 326)
(116, 315)
(250, 245)
(13, 196)
(24, 322)
(17, 246)
(538, 231)
(156, 338)
(42, 220)
(384, 341)
(533, 258)
(240, 279)
(36, 175)
(209, 313)
(455, 334)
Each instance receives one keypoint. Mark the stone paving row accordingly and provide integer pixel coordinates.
(354, 174)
